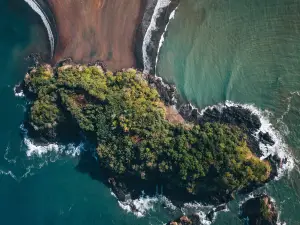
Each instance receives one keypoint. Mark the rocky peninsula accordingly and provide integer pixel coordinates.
(141, 140)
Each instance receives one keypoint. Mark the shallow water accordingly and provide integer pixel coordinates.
(44, 185)
(248, 52)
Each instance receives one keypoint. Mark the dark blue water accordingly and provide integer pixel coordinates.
(42, 185)
(45, 185)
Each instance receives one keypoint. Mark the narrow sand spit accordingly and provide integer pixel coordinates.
(90, 30)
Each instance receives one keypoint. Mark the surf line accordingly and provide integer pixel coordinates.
(162, 39)
(37, 8)
(160, 5)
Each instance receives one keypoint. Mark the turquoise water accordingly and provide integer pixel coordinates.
(245, 51)
(45, 189)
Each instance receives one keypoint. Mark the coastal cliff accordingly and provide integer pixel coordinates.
(137, 135)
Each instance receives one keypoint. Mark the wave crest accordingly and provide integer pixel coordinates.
(38, 9)
(280, 148)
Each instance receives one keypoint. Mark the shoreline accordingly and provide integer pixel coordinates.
(87, 32)
(234, 115)
(187, 111)
(158, 23)
(41, 7)
(88, 44)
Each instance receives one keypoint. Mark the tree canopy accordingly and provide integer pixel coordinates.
(127, 119)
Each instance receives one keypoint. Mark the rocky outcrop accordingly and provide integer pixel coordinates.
(260, 210)
(193, 219)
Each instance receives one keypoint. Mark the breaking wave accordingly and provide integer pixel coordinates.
(280, 148)
(38, 150)
(18, 93)
(199, 209)
(145, 204)
(148, 36)
(162, 39)
(141, 206)
(38, 9)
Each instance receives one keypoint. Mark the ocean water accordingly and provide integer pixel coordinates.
(247, 52)
(44, 185)
(243, 51)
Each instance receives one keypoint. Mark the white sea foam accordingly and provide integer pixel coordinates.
(141, 206)
(10, 161)
(199, 209)
(278, 211)
(36, 7)
(249, 196)
(9, 173)
(39, 150)
(279, 148)
(19, 94)
(152, 27)
(203, 218)
(162, 39)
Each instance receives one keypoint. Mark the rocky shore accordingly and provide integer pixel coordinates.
(230, 115)
(186, 220)
(120, 185)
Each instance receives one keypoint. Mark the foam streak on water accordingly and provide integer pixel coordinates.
(162, 39)
(36, 7)
(153, 26)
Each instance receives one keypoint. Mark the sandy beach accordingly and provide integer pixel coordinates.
(97, 30)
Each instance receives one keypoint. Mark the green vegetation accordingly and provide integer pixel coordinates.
(265, 210)
(127, 119)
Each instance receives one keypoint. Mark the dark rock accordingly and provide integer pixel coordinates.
(211, 214)
(185, 111)
(276, 163)
(234, 115)
(266, 138)
(167, 92)
(34, 59)
(260, 211)
(193, 219)
(117, 189)
(19, 88)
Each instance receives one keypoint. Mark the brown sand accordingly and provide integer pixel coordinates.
(90, 30)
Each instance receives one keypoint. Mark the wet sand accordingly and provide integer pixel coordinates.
(90, 30)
